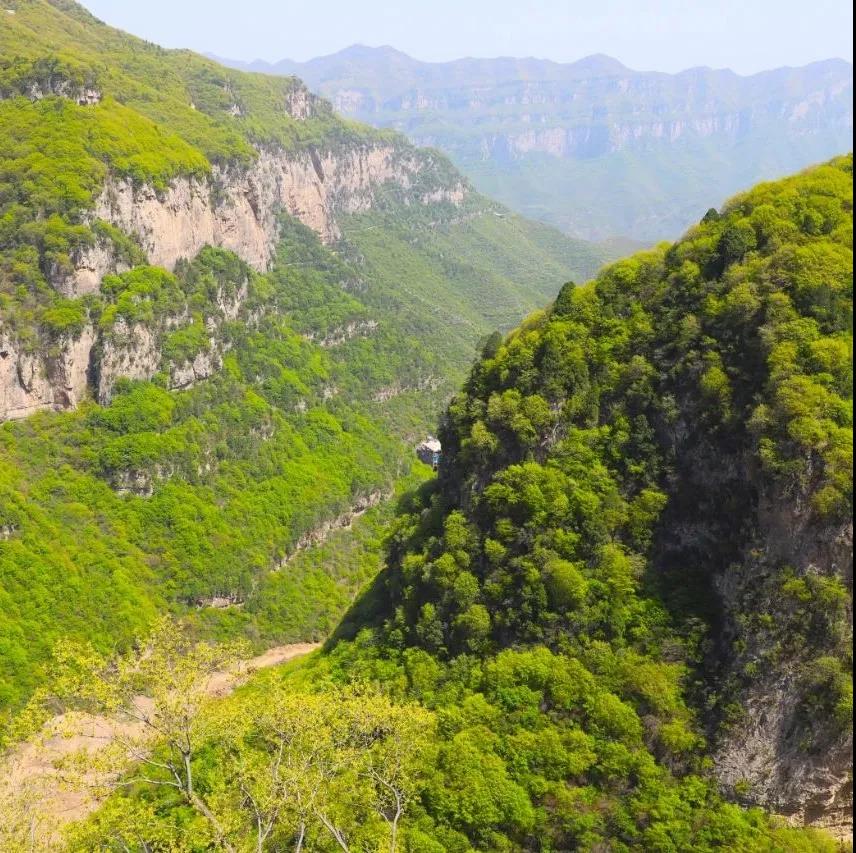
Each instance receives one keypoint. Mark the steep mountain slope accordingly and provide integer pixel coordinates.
(196, 272)
(625, 602)
(593, 147)
(683, 428)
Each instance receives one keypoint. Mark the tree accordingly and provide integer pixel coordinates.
(156, 700)
(272, 768)
(329, 763)
(21, 819)
(565, 300)
(491, 345)
(394, 741)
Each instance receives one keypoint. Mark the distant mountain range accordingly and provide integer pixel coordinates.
(592, 146)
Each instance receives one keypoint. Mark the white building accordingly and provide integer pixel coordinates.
(429, 452)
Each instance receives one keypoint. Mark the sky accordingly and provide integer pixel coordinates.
(648, 35)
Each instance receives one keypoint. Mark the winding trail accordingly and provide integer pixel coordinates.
(33, 800)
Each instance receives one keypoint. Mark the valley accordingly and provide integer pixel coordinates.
(171, 308)
(616, 612)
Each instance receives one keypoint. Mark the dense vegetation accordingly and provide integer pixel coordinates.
(690, 388)
(179, 499)
(536, 600)
(158, 114)
(217, 483)
(573, 433)
(299, 760)
(544, 663)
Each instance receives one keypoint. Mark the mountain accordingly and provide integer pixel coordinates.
(620, 617)
(223, 312)
(592, 147)
(652, 482)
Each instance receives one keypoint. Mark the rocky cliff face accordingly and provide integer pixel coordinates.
(763, 756)
(561, 119)
(58, 379)
(777, 614)
(133, 350)
(236, 209)
(591, 111)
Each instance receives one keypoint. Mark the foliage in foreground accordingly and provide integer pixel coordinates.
(279, 769)
(445, 758)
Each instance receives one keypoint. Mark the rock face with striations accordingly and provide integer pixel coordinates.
(236, 208)
(763, 756)
(242, 214)
(30, 381)
(772, 561)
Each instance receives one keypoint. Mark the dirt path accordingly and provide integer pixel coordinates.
(33, 800)
(221, 683)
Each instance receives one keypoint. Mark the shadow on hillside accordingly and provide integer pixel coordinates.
(372, 606)
(367, 611)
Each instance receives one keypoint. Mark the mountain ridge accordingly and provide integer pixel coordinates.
(592, 147)
(669, 427)
(600, 60)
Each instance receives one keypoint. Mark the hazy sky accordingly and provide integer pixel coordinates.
(662, 35)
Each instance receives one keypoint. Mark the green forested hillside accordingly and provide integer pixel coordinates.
(175, 498)
(179, 493)
(555, 598)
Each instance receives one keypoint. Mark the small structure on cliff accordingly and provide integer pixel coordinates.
(429, 452)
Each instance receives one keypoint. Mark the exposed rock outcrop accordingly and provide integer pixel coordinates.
(388, 392)
(770, 749)
(91, 264)
(319, 534)
(84, 96)
(140, 482)
(56, 379)
(337, 337)
(236, 208)
(129, 350)
(763, 756)
(203, 365)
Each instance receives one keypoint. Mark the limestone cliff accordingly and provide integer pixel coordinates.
(237, 208)
(774, 601)
(594, 147)
(764, 755)
(30, 381)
